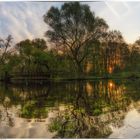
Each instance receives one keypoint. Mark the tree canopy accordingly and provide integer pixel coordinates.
(74, 26)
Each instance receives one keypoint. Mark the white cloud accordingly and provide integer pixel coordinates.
(23, 19)
(123, 16)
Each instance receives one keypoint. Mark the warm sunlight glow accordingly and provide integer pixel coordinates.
(110, 70)
(89, 88)
(111, 84)
(88, 67)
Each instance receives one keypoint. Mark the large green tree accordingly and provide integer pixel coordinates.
(74, 27)
(33, 54)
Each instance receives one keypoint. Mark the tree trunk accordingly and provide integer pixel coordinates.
(79, 69)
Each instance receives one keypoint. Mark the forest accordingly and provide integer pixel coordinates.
(80, 45)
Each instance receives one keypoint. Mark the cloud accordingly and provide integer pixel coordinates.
(23, 19)
(123, 16)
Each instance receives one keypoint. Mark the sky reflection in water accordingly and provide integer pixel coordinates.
(92, 109)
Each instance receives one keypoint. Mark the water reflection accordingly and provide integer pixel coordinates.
(131, 127)
(90, 109)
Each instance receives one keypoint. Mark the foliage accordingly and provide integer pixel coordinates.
(30, 110)
(82, 46)
(74, 28)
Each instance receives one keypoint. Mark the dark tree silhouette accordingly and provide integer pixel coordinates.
(74, 27)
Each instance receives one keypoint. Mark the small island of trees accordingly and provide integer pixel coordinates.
(82, 47)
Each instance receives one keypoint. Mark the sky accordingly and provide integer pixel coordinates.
(25, 19)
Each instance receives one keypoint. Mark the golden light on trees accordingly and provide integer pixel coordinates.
(88, 67)
(89, 88)
(110, 84)
(110, 69)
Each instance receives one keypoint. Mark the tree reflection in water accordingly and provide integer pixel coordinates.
(89, 115)
(84, 109)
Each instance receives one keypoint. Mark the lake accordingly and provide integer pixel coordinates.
(74, 109)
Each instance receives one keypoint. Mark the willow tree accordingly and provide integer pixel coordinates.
(74, 27)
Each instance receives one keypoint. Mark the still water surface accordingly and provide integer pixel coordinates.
(89, 109)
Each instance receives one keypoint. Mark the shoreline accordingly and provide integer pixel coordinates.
(44, 80)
